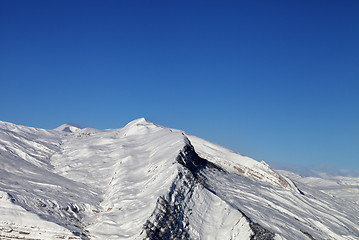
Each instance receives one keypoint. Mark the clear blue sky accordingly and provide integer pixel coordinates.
(274, 80)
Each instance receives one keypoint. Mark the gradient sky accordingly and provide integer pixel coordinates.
(275, 80)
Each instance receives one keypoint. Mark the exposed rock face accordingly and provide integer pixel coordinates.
(170, 219)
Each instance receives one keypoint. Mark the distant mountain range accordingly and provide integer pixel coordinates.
(146, 181)
(319, 170)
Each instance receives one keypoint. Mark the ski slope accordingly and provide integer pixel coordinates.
(146, 181)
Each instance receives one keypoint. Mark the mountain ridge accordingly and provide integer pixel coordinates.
(148, 181)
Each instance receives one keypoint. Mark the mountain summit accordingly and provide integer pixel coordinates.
(70, 128)
(146, 181)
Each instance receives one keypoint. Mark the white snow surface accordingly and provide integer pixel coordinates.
(146, 181)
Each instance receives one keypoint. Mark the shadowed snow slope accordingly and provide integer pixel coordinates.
(145, 181)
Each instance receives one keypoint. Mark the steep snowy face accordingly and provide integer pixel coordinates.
(237, 163)
(146, 181)
(129, 168)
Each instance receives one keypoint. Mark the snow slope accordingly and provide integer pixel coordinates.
(146, 181)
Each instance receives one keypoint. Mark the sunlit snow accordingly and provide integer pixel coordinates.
(146, 181)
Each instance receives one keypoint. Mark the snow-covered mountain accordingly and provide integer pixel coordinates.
(146, 181)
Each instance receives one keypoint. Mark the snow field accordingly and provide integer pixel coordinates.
(127, 183)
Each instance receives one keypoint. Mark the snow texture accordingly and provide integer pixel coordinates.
(146, 181)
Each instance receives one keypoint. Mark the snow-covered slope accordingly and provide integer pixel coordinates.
(146, 181)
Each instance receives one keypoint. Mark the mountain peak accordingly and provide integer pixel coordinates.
(139, 120)
(168, 184)
(67, 127)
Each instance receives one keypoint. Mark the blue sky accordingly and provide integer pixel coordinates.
(274, 80)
